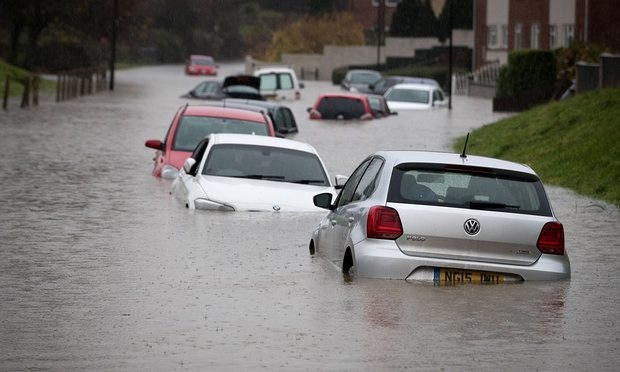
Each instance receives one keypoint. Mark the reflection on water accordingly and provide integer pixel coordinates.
(101, 270)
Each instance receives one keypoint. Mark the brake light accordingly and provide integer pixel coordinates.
(383, 223)
(314, 114)
(297, 94)
(366, 116)
(551, 239)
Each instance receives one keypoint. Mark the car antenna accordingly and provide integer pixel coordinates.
(465, 146)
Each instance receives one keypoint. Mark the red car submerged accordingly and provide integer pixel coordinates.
(342, 106)
(201, 65)
(192, 123)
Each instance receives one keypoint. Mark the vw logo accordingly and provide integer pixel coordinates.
(472, 226)
(276, 208)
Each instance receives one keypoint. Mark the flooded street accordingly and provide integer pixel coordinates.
(100, 269)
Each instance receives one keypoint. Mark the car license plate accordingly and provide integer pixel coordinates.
(458, 276)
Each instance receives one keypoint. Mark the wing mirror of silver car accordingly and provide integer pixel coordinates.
(323, 200)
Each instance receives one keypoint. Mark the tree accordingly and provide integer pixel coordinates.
(414, 18)
(311, 34)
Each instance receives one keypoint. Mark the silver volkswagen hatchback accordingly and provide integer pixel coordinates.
(442, 217)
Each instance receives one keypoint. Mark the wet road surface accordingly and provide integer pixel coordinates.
(101, 270)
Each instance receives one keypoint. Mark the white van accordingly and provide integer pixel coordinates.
(279, 83)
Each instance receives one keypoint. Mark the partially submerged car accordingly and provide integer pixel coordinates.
(279, 83)
(201, 65)
(442, 217)
(281, 115)
(235, 172)
(415, 97)
(207, 90)
(242, 86)
(341, 106)
(192, 123)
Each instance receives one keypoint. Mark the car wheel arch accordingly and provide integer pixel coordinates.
(348, 260)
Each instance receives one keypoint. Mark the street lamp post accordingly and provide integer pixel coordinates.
(380, 28)
(113, 44)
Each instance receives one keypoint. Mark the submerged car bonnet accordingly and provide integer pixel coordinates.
(261, 195)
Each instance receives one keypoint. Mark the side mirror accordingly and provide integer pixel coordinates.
(340, 181)
(154, 144)
(323, 200)
(302, 85)
(188, 165)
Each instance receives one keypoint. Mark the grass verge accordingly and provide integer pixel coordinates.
(573, 143)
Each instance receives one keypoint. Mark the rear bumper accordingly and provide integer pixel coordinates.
(376, 258)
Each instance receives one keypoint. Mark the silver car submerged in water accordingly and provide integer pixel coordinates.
(442, 217)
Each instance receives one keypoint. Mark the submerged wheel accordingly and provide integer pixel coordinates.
(311, 247)
(347, 261)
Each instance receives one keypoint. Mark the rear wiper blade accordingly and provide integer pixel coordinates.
(490, 205)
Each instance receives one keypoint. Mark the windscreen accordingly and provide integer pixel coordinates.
(468, 187)
(265, 163)
(408, 95)
(192, 129)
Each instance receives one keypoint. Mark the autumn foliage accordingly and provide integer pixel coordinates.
(309, 35)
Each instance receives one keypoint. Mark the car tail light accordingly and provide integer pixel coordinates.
(297, 94)
(551, 239)
(314, 114)
(383, 223)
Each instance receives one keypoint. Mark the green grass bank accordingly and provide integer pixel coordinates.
(573, 143)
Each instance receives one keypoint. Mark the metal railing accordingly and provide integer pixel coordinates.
(80, 82)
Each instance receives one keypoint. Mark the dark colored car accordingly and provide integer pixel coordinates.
(237, 86)
(358, 80)
(282, 116)
(210, 90)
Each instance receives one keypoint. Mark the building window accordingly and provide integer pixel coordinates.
(387, 2)
(535, 37)
(492, 36)
(569, 34)
(504, 36)
(553, 36)
(518, 36)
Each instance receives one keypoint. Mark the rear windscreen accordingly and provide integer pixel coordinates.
(341, 108)
(468, 187)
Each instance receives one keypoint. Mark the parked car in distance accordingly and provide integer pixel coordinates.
(192, 123)
(279, 83)
(236, 172)
(414, 97)
(442, 217)
(358, 80)
(386, 82)
(200, 65)
(207, 90)
(281, 115)
(341, 106)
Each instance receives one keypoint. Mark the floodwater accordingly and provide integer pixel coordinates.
(100, 269)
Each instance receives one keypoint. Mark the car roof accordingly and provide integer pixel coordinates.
(262, 70)
(200, 56)
(224, 112)
(351, 95)
(415, 156)
(249, 139)
(413, 86)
